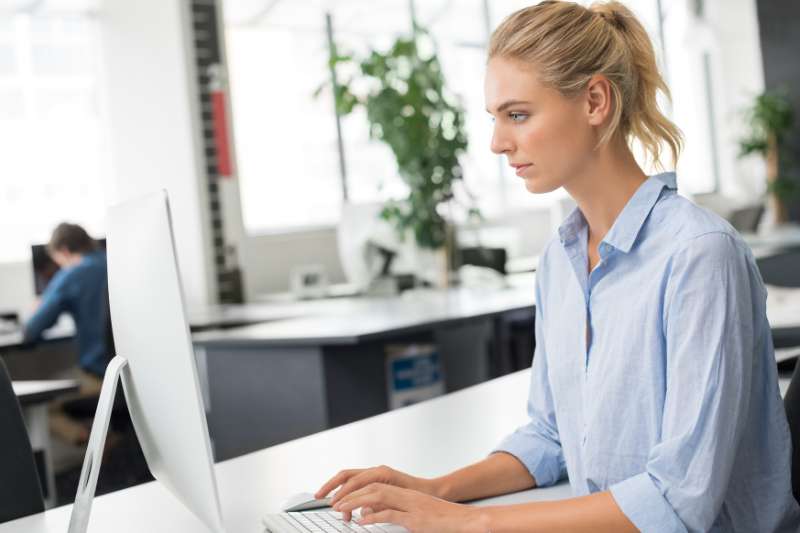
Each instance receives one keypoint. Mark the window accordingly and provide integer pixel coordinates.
(49, 128)
(289, 166)
(286, 143)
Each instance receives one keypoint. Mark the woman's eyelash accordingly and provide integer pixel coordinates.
(516, 116)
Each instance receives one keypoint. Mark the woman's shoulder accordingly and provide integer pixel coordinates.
(680, 222)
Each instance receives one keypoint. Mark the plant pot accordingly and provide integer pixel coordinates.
(432, 266)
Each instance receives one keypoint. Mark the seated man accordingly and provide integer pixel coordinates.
(79, 288)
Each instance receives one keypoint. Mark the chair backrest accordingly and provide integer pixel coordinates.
(792, 403)
(781, 269)
(23, 496)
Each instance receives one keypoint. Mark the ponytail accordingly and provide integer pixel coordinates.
(569, 44)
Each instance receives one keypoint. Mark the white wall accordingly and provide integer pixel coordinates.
(269, 259)
(150, 100)
(16, 287)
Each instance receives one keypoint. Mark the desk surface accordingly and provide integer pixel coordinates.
(781, 238)
(352, 320)
(63, 329)
(426, 439)
(30, 392)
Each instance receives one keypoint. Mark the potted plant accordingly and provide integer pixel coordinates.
(410, 109)
(770, 119)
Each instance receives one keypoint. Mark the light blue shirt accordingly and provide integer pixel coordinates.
(674, 406)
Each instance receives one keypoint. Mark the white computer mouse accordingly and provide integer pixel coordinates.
(304, 501)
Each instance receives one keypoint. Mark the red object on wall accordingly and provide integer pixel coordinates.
(221, 138)
(217, 84)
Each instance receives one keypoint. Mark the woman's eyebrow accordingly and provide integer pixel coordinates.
(507, 104)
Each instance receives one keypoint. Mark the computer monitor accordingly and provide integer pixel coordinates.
(156, 362)
(44, 268)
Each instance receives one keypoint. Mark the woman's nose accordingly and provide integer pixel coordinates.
(500, 144)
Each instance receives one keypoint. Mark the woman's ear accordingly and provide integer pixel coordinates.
(598, 99)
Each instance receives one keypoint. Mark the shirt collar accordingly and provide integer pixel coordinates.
(630, 221)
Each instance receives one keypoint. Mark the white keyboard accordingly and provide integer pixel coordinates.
(321, 522)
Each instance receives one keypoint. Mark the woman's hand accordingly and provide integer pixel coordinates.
(415, 511)
(349, 481)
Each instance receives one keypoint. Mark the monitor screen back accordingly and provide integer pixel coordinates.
(150, 330)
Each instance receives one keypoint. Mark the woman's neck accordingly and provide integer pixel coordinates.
(604, 188)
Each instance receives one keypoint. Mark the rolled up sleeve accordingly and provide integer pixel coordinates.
(708, 327)
(537, 444)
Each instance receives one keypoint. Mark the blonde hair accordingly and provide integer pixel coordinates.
(569, 43)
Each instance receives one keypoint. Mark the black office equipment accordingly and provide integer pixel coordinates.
(44, 268)
(494, 258)
(20, 490)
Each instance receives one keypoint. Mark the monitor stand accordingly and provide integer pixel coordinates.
(87, 486)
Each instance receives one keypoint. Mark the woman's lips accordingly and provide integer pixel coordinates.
(520, 169)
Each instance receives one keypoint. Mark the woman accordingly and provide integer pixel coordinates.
(653, 385)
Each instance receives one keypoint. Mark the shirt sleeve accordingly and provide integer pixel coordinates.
(709, 332)
(537, 444)
(53, 303)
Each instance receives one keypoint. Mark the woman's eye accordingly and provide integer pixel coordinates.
(517, 117)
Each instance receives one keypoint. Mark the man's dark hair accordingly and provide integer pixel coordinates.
(72, 237)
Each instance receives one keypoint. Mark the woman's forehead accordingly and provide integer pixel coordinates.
(510, 80)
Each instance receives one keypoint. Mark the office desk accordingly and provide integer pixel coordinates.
(427, 439)
(64, 329)
(33, 397)
(317, 372)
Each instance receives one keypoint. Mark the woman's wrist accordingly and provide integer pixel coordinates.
(481, 520)
(438, 487)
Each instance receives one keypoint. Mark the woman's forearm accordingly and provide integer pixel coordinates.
(500, 473)
(597, 513)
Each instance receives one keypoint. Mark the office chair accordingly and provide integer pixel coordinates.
(85, 408)
(792, 404)
(20, 491)
(782, 268)
(494, 258)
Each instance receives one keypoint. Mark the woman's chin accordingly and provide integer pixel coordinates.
(538, 185)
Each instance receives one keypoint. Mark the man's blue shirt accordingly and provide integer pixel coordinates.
(654, 375)
(79, 290)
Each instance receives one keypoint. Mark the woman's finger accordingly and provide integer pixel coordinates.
(334, 482)
(389, 516)
(356, 482)
(375, 495)
(369, 495)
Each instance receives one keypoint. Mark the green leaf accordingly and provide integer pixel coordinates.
(412, 112)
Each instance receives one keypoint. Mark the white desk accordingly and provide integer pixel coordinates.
(33, 397)
(426, 439)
